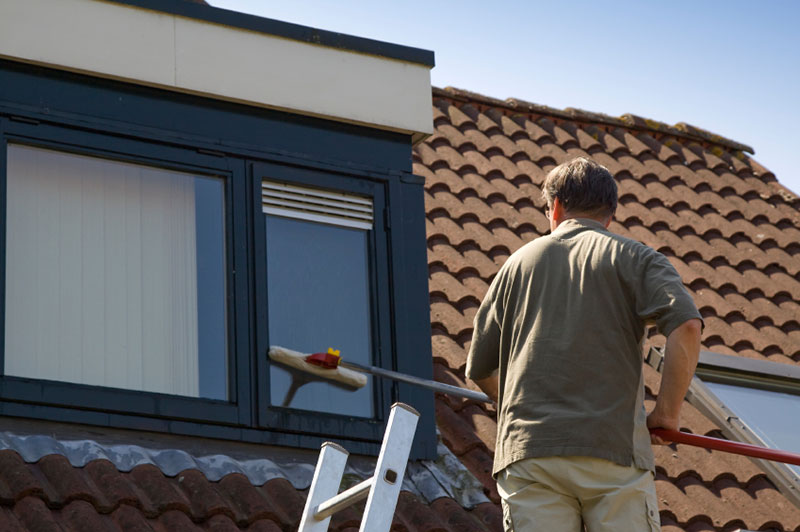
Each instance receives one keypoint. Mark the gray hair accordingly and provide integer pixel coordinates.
(582, 187)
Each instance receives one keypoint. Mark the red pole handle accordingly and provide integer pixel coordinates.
(727, 446)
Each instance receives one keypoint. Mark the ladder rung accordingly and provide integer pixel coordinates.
(341, 501)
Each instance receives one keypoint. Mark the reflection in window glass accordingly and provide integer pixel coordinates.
(772, 416)
(115, 274)
(318, 292)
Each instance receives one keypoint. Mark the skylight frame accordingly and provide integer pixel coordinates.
(752, 373)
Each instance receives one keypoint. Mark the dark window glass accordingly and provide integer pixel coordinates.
(771, 415)
(211, 305)
(318, 297)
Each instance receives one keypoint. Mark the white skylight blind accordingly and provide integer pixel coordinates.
(316, 205)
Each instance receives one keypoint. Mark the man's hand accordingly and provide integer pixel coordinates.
(680, 359)
(656, 420)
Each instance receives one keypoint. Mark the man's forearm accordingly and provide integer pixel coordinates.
(489, 386)
(680, 360)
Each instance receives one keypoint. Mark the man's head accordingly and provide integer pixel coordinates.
(580, 188)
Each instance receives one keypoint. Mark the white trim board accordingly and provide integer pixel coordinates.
(151, 48)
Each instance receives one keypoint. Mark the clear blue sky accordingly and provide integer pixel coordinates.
(731, 67)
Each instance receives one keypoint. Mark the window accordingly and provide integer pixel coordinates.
(753, 401)
(318, 289)
(769, 414)
(764, 398)
(323, 283)
(118, 284)
(155, 248)
(115, 274)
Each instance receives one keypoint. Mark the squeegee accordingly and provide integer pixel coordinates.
(331, 366)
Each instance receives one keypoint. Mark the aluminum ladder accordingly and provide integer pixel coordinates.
(381, 490)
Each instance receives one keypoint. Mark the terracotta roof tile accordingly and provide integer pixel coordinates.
(440, 251)
(457, 117)
(479, 462)
(553, 154)
(159, 492)
(128, 518)
(16, 479)
(613, 146)
(490, 515)
(444, 284)
(67, 484)
(450, 319)
(414, 515)
(453, 378)
(447, 352)
(263, 526)
(287, 502)
(33, 514)
(636, 147)
(81, 515)
(585, 140)
(8, 521)
(510, 127)
(455, 517)
(483, 425)
(561, 136)
(116, 490)
(347, 519)
(535, 131)
(247, 504)
(204, 499)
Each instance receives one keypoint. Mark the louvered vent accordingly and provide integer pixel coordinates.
(316, 205)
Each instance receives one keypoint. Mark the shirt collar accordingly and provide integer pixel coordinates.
(577, 225)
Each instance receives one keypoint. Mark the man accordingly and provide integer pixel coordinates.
(558, 345)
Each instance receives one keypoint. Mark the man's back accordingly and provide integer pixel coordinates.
(557, 342)
(570, 310)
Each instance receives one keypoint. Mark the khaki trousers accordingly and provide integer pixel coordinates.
(558, 493)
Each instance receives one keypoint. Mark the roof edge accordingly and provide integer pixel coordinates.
(287, 30)
(628, 120)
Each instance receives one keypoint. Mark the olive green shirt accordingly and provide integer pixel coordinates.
(562, 324)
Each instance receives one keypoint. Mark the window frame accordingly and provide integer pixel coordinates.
(295, 420)
(748, 373)
(59, 394)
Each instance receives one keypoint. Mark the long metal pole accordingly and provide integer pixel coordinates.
(410, 379)
(728, 446)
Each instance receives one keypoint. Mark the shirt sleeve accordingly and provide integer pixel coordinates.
(483, 358)
(663, 299)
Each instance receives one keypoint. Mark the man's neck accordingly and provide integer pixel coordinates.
(605, 220)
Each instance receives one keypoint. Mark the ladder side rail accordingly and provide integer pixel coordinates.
(390, 469)
(324, 485)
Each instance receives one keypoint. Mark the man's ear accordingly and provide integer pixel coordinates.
(558, 209)
(556, 214)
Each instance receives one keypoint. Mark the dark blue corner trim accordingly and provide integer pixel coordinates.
(287, 30)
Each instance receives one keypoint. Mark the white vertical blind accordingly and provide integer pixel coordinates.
(101, 274)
